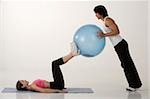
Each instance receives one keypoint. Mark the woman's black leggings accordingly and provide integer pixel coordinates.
(127, 64)
(57, 75)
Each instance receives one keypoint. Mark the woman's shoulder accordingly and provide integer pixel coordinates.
(38, 80)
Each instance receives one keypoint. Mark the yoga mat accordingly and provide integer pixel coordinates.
(70, 90)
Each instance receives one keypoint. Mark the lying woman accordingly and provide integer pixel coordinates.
(43, 86)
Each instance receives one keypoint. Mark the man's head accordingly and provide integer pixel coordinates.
(100, 11)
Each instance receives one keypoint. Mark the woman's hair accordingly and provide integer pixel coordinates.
(19, 86)
(100, 9)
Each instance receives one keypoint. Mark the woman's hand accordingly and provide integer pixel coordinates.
(46, 90)
(63, 91)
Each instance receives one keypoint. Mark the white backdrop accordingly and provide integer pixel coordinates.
(34, 33)
(148, 37)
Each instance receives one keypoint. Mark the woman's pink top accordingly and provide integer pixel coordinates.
(40, 83)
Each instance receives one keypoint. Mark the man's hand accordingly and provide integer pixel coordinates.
(100, 34)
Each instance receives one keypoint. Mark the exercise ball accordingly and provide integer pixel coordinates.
(87, 40)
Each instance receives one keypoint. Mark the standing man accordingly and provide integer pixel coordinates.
(111, 30)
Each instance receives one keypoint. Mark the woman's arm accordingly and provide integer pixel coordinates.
(46, 90)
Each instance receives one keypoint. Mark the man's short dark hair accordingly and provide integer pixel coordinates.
(101, 10)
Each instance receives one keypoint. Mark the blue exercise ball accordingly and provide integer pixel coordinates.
(87, 40)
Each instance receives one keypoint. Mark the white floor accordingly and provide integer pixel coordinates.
(98, 94)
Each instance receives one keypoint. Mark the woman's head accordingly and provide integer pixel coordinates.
(100, 10)
(22, 85)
